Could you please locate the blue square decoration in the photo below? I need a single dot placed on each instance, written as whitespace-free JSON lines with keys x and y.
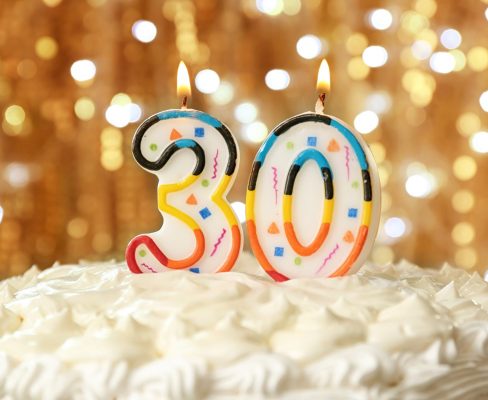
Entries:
{"x":279,"y":251}
{"x":199,"y":132}
{"x":312,"y":141}
{"x":195,"y":270}
{"x":352,"y":213}
{"x":205,"y":213}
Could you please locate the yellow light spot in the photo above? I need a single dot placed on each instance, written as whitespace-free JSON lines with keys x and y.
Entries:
{"x":111,"y":138}
{"x":121,"y":99}
{"x":357,"y":69}
{"x":463,"y":233}
{"x":77,"y":228}
{"x":459,"y":59}
{"x":426,"y":7}
{"x":51,"y":3}
{"x":46,"y":47}
{"x":421,"y":97}
{"x":383,"y":255}
{"x":463,"y":201}
{"x":15,"y":115}
{"x":478,"y":58}
{"x":84,"y":108}
{"x":468,"y":123}
{"x":102,"y":242}
{"x":379,"y":152}
{"x":429,"y":36}
{"x":414,"y":22}
{"x":466,"y":258}
{"x":112,"y":159}
{"x":356,"y":43}
{"x":464,"y":168}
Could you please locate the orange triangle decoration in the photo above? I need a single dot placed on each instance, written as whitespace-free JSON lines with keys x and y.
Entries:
{"x":273,"y":229}
{"x":191,"y":199}
{"x":348,"y":237}
{"x":175,"y":135}
{"x":333,"y":146}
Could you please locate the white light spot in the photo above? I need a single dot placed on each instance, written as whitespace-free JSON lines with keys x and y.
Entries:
{"x":486,"y":13}
{"x":451,"y":39}
{"x":375,"y":56}
{"x":309,"y":46}
{"x":380,"y":19}
{"x":270,"y":7}
{"x":240,"y":209}
{"x":1,"y":214}
{"x":277,"y":79}
{"x":379,"y":102}
{"x":256,"y":132}
{"x":246,"y":113}
{"x":366,"y":121}
{"x":421,"y":184}
{"x":421,"y":49}
{"x":484,"y":101}
{"x":17,"y":175}
{"x":144,"y":31}
{"x":83,"y":70}
{"x":479,"y":142}
{"x":135,"y":112}
{"x":442,"y":62}
{"x":224,"y":94}
{"x":207,"y":81}
{"x":395,"y":227}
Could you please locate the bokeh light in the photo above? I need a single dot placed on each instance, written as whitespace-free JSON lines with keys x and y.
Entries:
{"x":224,"y":94}
{"x":207,"y":81}
{"x":83,"y":70}
{"x":484,"y":101}
{"x":309,"y":47}
{"x":380,"y":19}
{"x":246,"y":112}
{"x":144,"y":31}
{"x":442,"y":62}
{"x":395,"y":227}
{"x":479,"y":142}
{"x":366,"y":121}
{"x":375,"y":56}
{"x":277,"y":79}
{"x":451,"y":38}
{"x":255,"y":132}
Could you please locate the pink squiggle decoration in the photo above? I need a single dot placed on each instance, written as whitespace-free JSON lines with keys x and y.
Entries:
{"x":347,"y":160}
{"x":217,"y":244}
{"x":148,"y":267}
{"x":275,"y":183}
{"x":328,"y":258}
{"x":215,"y":164}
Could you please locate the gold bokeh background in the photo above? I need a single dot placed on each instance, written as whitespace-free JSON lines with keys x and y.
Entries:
{"x":70,"y":190}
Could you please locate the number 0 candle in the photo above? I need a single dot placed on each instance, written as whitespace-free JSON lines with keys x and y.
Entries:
{"x":195,"y":158}
{"x":313,"y":199}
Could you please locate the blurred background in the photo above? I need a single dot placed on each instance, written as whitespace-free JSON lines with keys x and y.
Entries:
{"x":77,"y":77}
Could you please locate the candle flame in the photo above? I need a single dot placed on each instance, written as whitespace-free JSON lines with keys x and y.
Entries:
{"x":183,"y":86}
{"x":323,"y":77}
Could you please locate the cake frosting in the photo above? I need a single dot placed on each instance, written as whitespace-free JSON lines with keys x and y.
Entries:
{"x":96,"y":331}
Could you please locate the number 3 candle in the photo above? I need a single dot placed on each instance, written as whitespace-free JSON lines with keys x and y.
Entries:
{"x":313,"y":197}
{"x":195,"y":158}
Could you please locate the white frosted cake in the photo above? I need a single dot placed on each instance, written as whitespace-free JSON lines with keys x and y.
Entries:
{"x":97,"y":331}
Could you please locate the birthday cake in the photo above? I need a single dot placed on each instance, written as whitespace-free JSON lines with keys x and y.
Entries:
{"x":97,"y":331}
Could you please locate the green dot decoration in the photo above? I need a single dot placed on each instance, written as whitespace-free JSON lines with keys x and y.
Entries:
{"x":142,"y":253}
{"x":298,"y":261}
{"x":290,"y":145}
{"x":205,"y":183}
{"x":153,"y":146}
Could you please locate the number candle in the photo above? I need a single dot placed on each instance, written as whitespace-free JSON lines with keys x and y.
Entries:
{"x":195,"y":158}
{"x":312,"y":204}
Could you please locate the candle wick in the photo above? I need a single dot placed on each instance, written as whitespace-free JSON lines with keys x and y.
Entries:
{"x":320,"y":105}
{"x":184,"y":102}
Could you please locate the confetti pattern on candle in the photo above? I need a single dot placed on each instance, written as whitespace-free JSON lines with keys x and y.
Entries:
{"x":197,"y":217}
{"x":327,"y":213}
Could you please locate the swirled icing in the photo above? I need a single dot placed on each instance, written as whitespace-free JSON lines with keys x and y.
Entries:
{"x":96,"y":331}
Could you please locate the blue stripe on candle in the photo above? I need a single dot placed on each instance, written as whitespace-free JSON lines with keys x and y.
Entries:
{"x":353,"y":141}
{"x":201,"y":116}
